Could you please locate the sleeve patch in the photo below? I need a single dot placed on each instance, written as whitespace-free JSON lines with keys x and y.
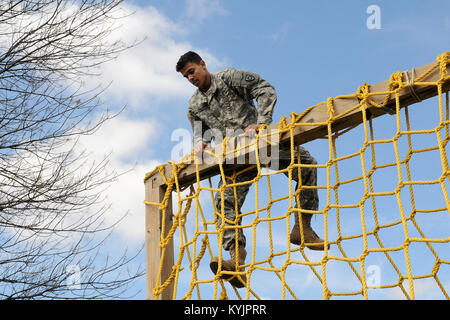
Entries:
{"x":249,"y":78}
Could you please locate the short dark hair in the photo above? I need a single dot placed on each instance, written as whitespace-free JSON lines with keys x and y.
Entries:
{"x":189,"y":56}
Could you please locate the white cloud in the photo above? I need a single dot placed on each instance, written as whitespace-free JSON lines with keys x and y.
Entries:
{"x":148,"y":68}
{"x":200,"y":10}
{"x":120,"y":136}
{"x":281,"y":33}
{"x":127,"y":195}
{"x":424,"y":289}
{"x":145,"y":74}
{"x":123,"y":139}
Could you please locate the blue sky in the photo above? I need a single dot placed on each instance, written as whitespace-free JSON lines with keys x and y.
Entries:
{"x":309,"y":50}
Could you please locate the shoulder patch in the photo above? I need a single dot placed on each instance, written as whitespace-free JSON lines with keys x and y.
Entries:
{"x":249,"y":78}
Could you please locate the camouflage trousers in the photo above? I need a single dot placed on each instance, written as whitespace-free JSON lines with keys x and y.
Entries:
{"x":309,"y":198}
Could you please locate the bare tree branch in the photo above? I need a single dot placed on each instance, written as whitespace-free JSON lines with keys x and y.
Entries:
{"x":52,"y":204}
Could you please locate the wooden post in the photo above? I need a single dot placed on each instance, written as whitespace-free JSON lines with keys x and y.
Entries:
{"x":154,"y":218}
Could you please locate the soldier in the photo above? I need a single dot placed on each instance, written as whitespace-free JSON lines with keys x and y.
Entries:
{"x":224,"y":103}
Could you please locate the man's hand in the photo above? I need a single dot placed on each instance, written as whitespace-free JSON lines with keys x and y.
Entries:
{"x":198,"y":150}
{"x":252,"y":129}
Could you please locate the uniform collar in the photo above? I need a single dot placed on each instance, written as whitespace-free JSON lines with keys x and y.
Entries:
{"x":212,"y":89}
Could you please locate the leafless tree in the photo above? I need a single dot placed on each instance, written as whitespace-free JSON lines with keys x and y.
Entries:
{"x":51,"y":193}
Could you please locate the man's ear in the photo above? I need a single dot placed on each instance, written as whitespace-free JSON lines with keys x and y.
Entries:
{"x":203,"y":64}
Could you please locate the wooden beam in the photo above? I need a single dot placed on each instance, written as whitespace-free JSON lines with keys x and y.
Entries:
{"x":318,"y":115}
{"x":154,"y":221}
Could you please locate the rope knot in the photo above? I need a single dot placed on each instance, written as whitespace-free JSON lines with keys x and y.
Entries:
{"x":330,"y":108}
{"x":396,"y":80}
{"x":443,"y":61}
{"x":363,"y":92}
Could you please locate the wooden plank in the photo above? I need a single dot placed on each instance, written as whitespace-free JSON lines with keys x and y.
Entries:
{"x":318,"y":115}
{"x":154,"y":218}
{"x":305,"y":134}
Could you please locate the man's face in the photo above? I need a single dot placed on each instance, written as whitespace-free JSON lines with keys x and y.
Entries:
{"x":197,"y":74}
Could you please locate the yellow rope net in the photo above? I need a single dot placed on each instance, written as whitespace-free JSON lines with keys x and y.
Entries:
{"x":384,"y":210}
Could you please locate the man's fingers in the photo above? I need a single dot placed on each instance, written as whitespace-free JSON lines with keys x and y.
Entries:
{"x":200,"y":148}
{"x":250,"y":132}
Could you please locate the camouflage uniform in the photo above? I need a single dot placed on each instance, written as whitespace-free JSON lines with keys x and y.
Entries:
{"x":228,"y":107}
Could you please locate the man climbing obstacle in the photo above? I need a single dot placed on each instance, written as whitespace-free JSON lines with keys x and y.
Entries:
{"x":224,"y":102}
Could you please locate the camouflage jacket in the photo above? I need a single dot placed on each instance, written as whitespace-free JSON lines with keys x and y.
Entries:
{"x":228,"y":105}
